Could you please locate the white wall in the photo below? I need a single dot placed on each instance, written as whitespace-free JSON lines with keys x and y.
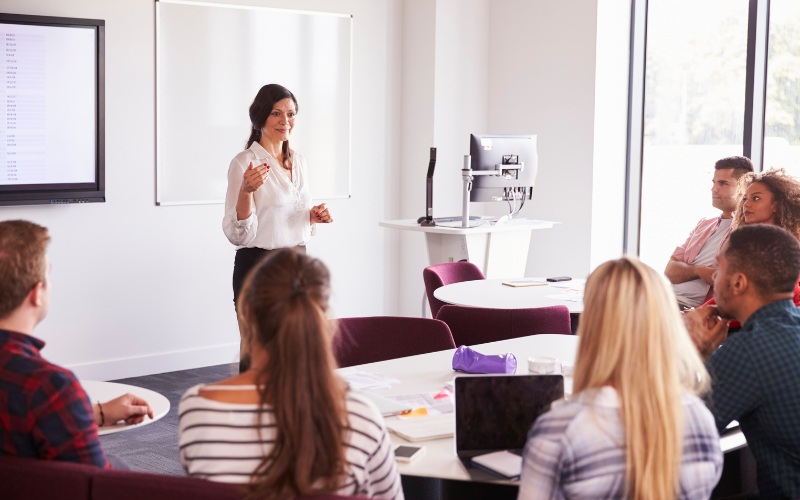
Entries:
{"x":542,"y":81}
{"x":141,"y":289}
{"x":519,"y":67}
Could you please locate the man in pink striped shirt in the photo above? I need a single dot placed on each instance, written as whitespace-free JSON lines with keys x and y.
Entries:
{"x":692,"y":265}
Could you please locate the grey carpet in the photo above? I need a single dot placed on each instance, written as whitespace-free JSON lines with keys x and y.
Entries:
{"x":154,"y":447}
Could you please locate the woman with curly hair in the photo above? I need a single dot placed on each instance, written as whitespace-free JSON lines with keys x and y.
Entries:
{"x":770,"y":197}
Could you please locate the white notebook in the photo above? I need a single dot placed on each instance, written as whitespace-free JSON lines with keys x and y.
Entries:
{"x":528,"y":282}
{"x":503,"y":463}
{"x":423,"y":428}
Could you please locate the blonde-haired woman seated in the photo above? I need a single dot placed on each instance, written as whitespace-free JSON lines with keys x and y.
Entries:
{"x":634,"y":426}
{"x":288,"y":426}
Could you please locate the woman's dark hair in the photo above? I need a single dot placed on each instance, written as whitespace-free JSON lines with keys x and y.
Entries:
{"x":262,"y":106}
{"x":283,"y":304}
{"x":785,"y":191}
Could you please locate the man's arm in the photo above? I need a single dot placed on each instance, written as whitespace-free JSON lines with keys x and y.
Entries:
{"x":681,"y":272}
{"x":736,"y":390}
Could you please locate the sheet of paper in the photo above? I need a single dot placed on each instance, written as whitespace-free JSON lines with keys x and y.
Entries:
{"x":427,"y":400}
{"x":566,"y":296}
{"x":361,"y":380}
{"x":569,"y":285}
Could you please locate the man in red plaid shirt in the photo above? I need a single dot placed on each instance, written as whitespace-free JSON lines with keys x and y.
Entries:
{"x":44,"y":411}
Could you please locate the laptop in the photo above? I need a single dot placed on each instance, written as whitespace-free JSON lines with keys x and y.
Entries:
{"x":495,"y":413}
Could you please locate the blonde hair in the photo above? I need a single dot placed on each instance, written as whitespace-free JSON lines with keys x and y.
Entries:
{"x":633,"y":338}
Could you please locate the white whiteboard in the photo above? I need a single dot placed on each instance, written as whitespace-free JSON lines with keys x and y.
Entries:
{"x":211,"y":59}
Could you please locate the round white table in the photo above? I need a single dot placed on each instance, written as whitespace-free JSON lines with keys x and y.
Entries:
{"x":106,"y":391}
{"x":493,"y":294}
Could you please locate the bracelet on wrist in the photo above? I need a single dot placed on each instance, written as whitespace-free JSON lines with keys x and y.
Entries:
{"x":102,"y":415}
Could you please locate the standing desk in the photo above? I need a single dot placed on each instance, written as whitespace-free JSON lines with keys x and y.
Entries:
{"x":499,"y":251}
{"x":430,"y":372}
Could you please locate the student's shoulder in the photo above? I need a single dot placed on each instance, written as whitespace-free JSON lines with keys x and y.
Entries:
{"x":362,"y":412}
{"x":560,"y":418}
{"x":697,"y":412}
{"x":192,"y":398}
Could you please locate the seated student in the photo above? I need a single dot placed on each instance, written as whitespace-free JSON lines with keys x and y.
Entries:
{"x":633,"y":427}
{"x":44,"y":412}
{"x":771,"y":197}
{"x":755,"y":375}
{"x":288,"y":426}
{"x":692,"y":264}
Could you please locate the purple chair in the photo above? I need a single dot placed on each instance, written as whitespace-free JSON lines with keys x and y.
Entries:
{"x":445,"y":274}
{"x":368,"y":340}
{"x":32,"y":479}
{"x":476,"y":325}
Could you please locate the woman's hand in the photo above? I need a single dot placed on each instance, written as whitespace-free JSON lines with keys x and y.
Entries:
{"x":321,"y":214}
{"x":129,"y":408}
{"x":254,"y":178}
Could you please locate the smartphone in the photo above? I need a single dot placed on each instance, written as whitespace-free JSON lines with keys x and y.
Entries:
{"x":408,"y":454}
{"x":560,"y":278}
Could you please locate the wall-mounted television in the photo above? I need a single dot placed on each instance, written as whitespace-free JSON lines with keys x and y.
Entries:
{"x":51,"y":110}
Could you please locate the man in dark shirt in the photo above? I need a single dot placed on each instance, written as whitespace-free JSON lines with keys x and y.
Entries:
{"x":755,"y":374}
{"x":44,"y":411}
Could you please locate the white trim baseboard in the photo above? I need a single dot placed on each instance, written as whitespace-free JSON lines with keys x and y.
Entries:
{"x":150,"y":364}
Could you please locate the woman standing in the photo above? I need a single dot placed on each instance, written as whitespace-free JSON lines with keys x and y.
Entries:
{"x":268,"y":205}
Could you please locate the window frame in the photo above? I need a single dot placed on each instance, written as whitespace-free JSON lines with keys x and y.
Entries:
{"x":754,"y":109}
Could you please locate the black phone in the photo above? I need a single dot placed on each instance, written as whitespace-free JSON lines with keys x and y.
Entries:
{"x":560,"y":278}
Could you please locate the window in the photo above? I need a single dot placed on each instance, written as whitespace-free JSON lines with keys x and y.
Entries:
{"x":694,"y":109}
{"x":782,"y":115}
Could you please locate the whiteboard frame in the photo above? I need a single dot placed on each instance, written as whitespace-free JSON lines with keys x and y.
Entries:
{"x":160,"y":203}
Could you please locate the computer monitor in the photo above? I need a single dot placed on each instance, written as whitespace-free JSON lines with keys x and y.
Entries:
{"x":489,"y":150}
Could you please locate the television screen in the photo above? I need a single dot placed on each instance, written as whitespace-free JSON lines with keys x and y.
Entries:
{"x":51,"y":92}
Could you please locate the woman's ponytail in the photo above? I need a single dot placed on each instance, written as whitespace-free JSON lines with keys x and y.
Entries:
{"x":255,"y":136}
{"x":286,"y":298}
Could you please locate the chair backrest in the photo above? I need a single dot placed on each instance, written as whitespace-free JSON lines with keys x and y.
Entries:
{"x":378,"y":338}
{"x":476,"y":325}
{"x":446,"y":274}
{"x":33,"y":479}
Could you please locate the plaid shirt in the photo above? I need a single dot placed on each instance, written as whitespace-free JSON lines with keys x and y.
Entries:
{"x":44,"y":412}
{"x":756,"y":380}
{"x":577,"y":451}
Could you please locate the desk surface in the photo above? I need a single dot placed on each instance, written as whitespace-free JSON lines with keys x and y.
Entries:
{"x":430,"y":372}
{"x":106,"y":391}
{"x":513,"y":225}
{"x":493,"y":294}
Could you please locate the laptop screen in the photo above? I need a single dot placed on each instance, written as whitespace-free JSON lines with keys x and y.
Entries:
{"x":495,"y":413}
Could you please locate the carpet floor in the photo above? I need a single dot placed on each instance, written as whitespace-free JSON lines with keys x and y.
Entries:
{"x":154,"y":447}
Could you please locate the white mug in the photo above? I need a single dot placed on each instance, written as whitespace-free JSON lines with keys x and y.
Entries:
{"x":542,"y":366}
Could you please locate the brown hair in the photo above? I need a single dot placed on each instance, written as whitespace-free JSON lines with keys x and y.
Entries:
{"x":259,"y":111}
{"x":283,"y":304}
{"x":23,"y":247}
{"x":785,"y":190}
{"x":740,"y":164}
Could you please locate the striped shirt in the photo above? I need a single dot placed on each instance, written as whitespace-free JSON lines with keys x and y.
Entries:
{"x":577,"y":451}
{"x":221,"y":442}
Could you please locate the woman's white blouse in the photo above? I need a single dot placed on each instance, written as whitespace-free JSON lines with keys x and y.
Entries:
{"x":282,"y":206}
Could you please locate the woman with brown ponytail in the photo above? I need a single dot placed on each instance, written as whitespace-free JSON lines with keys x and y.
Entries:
{"x":268,"y":205}
{"x":288,"y":426}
